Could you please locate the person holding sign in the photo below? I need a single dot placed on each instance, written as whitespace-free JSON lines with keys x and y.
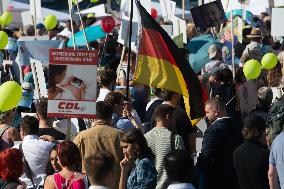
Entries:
{"x":72,"y":89}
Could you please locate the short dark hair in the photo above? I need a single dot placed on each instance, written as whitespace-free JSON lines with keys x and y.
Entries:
{"x":163,"y":110}
{"x":179,"y":166}
{"x":168,"y":95}
{"x":55,"y":70}
{"x":114,"y":98}
{"x":98,"y":166}
{"x":254,"y":126}
{"x":107,"y":77}
{"x":69,"y":155}
{"x":30,"y":125}
{"x":217,"y":103}
{"x":41,"y":108}
{"x":103,"y":111}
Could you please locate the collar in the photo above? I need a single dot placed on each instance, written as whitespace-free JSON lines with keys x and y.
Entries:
{"x":31,"y":137}
{"x":101,"y":123}
{"x":220,"y":118}
{"x":180,"y":186}
{"x":98,"y":187}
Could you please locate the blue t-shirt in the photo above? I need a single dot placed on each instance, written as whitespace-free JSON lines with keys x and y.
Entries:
{"x":276,"y":157}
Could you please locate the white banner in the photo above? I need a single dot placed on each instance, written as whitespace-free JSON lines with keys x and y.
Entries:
{"x":277,"y":28}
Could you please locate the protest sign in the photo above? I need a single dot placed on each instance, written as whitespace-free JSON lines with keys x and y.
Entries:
{"x":208,"y":15}
{"x":179,"y":27}
{"x":168,"y":28}
{"x":277,"y":29}
{"x":39,"y":79}
{"x":166,"y":9}
{"x":173,"y":9}
{"x":125,"y":8}
{"x":123,"y":36}
{"x":278,"y":3}
{"x":36,"y":49}
{"x":35,"y":8}
{"x":72,"y":83}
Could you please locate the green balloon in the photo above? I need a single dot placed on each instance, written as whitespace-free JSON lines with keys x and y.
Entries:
{"x":252,"y":69}
{"x":10,"y":93}
{"x":3,"y":40}
{"x":7,"y":18}
{"x":1,"y":21}
{"x":269,"y":61}
{"x":50,"y":22}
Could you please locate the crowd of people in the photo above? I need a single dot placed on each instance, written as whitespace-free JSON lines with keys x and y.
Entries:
{"x":146,"y":140}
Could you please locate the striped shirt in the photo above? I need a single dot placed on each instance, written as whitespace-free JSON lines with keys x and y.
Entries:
{"x":159,"y":140}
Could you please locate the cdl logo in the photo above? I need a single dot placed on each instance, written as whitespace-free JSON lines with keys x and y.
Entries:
{"x":70,"y":106}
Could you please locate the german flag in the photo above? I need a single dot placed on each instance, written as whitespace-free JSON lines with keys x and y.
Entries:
{"x":160,"y":64}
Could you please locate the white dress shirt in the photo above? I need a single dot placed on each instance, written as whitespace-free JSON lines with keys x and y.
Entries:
{"x":181,"y":186}
{"x":37,"y":152}
{"x":99,"y":187}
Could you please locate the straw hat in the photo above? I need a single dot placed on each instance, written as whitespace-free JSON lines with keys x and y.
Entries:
{"x":255,"y":33}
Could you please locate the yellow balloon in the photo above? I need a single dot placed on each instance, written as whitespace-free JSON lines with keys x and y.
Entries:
{"x":1,"y":21}
{"x":11,"y":93}
{"x":94,"y":1}
{"x":7,"y":18}
{"x":3,"y":40}
{"x":252,"y":69}
{"x":50,"y":22}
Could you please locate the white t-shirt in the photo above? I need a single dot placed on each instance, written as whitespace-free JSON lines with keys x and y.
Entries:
{"x":103,"y":93}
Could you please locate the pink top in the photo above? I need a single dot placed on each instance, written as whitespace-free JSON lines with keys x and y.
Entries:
{"x":72,"y":183}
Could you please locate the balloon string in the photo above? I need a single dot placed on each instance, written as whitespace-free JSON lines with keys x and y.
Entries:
{"x":71,"y":20}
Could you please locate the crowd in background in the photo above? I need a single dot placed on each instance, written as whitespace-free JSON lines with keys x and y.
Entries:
{"x":147,"y":140}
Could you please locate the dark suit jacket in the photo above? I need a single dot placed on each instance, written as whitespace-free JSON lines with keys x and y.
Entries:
{"x":216,"y":158}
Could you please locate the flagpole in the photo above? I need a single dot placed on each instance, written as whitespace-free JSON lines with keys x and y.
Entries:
{"x":83,"y":28}
{"x":129,"y":48}
{"x":72,"y":27}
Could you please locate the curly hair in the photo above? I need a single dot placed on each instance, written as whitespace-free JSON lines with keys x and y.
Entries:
{"x":41,"y":108}
{"x":11,"y":164}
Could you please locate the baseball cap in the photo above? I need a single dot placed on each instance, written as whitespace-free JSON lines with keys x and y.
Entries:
{"x":40,"y":26}
{"x":27,"y":86}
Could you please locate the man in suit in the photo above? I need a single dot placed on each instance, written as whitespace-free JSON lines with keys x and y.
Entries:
{"x":219,"y":142}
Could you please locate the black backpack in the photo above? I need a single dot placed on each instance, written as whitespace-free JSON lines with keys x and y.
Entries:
{"x":275,"y":118}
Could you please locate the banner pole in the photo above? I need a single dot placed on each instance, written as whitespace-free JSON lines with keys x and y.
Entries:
{"x":72,"y":27}
{"x":129,"y":48}
{"x":183,"y":9}
{"x":83,"y":28}
{"x":232,"y":41}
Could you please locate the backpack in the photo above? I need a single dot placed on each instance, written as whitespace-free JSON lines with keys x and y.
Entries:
{"x":2,"y":131}
{"x":275,"y":118}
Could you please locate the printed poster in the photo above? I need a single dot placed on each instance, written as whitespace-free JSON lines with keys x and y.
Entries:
{"x":72,"y":83}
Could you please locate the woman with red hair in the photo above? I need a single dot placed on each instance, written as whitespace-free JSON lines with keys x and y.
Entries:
{"x":11,"y":168}
{"x":69,"y":159}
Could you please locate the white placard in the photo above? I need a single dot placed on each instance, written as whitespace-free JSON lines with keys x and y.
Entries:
{"x":277,"y":28}
{"x":27,"y":18}
{"x":166,"y":9}
{"x":179,"y":26}
{"x":125,"y":8}
{"x":168,"y":29}
{"x":35,"y":8}
{"x":39,"y":79}
{"x":278,"y":3}
{"x":124,"y":34}
{"x":173,"y":9}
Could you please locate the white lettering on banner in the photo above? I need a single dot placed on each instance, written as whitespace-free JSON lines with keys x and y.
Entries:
{"x":72,"y":107}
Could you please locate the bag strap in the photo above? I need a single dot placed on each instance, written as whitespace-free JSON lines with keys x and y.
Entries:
{"x":2,"y":131}
{"x":74,"y":179}
{"x":28,"y":170}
